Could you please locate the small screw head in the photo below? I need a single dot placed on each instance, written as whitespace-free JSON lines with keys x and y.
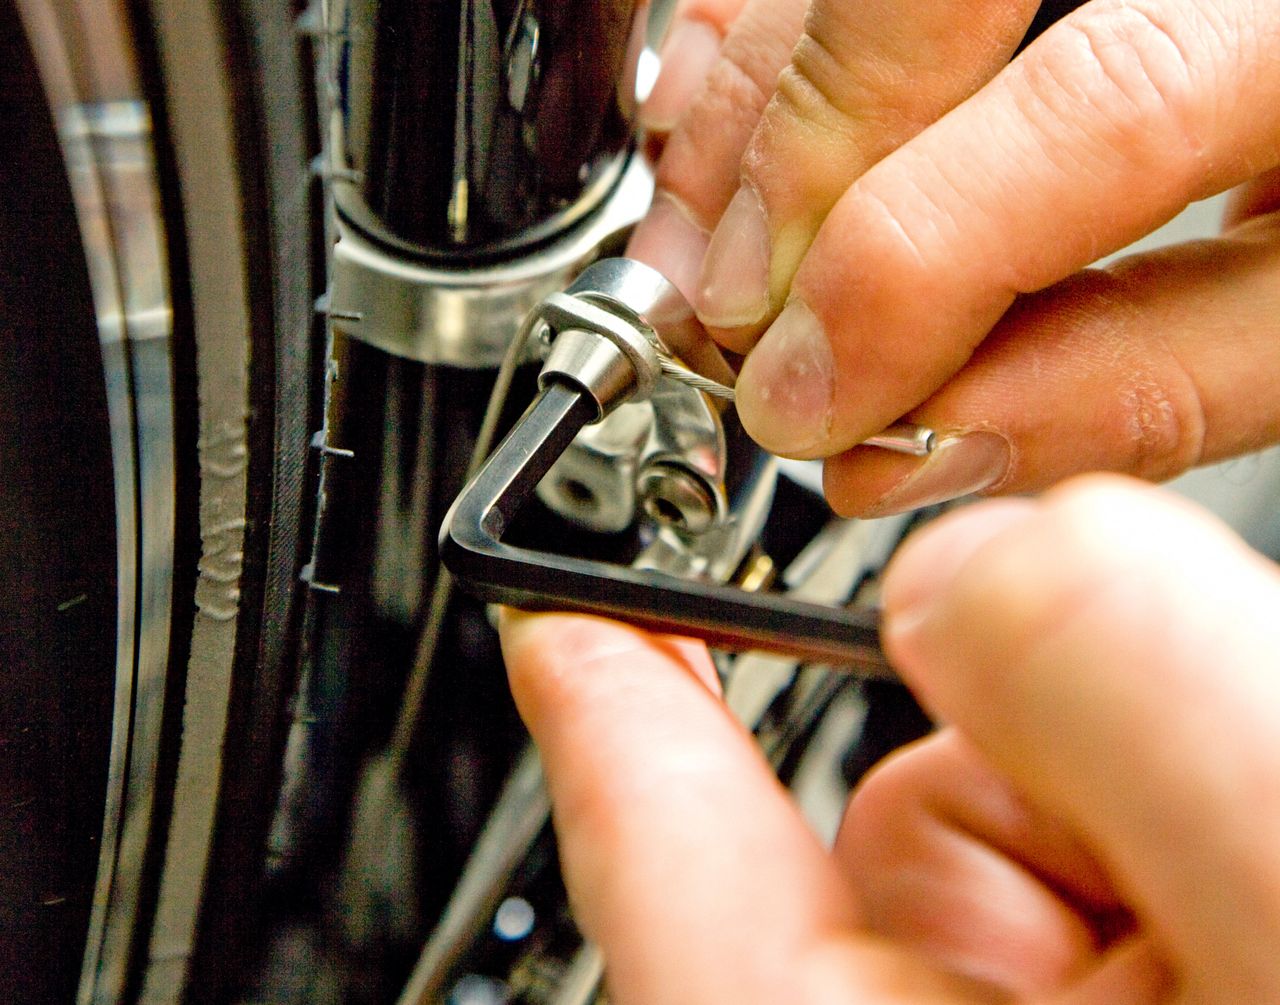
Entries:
{"x":677,"y":497}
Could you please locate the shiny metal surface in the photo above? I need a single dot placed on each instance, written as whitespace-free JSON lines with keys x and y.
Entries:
{"x":466,"y":315}
{"x":675,"y":496}
{"x":661,"y":448}
{"x":904,"y":438}
{"x":688,"y":432}
{"x":715,"y":554}
{"x":89,"y":191}
{"x":593,"y":484}
{"x":472,"y":548}
{"x":85,"y":54}
{"x":595,"y":363}
{"x":684,"y":375}
{"x":642,"y":295}
{"x":478,"y":127}
{"x":119,"y":135}
{"x":563,"y":312}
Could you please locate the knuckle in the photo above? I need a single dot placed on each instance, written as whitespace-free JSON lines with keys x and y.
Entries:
{"x":1164,"y":422}
{"x":752,"y":56}
{"x":700,"y":163}
{"x":732,"y":95}
{"x":849,"y":95}
{"x":1108,"y":335}
{"x":1161,"y":425}
{"x":720,"y":13}
{"x":1141,"y":68}
{"x":733,"y":91}
{"x":819,"y":86}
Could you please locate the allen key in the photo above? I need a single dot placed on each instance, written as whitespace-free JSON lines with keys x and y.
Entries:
{"x":612,"y":328}
{"x":472,"y":548}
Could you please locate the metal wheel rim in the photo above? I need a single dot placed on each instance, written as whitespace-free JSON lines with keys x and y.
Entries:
{"x":87,"y":54}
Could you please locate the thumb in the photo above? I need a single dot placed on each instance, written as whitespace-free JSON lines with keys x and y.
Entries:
{"x":1116,"y":654}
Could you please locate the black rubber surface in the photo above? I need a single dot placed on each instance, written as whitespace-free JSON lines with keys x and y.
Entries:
{"x":269,"y":75}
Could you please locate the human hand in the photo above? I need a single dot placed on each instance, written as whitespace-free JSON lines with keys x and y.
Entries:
{"x":1097,"y":824}
{"x":922,"y":208}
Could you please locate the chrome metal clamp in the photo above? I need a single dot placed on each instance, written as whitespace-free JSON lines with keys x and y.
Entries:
{"x":467,"y":316}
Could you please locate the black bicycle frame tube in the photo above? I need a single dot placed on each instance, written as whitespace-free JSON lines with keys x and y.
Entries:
{"x":478,"y":128}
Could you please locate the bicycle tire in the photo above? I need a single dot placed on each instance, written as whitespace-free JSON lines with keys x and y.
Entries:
{"x":183,"y":129}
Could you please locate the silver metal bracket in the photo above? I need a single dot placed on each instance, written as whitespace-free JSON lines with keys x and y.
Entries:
{"x":618,"y":330}
{"x":567,"y":315}
{"x":467,"y":316}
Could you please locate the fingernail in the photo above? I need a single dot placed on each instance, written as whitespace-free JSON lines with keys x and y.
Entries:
{"x":784,"y":393}
{"x":735,"y":277}
{"x":668,"y":240}
{"x":689,"y":53}
{"x":959,"y":466}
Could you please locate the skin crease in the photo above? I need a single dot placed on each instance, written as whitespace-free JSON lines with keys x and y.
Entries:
{"x":1087,"y":828}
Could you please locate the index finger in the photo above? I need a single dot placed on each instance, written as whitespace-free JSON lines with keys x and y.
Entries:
{"x":712,"y":119}
{"x":684,"y":858}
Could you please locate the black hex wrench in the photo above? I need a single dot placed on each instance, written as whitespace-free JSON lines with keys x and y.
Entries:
{"x":472,"y":549}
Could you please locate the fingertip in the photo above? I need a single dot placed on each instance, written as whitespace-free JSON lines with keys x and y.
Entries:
{"x":929,"y":562}
{"x":989,"y":585}
{"x":785,"y":393}
{"x":959,"y":465}
{"x":855,"y":479}
{"x":531,"y":651}
{"x":562,"y":665}
{"x":690,"y":51}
